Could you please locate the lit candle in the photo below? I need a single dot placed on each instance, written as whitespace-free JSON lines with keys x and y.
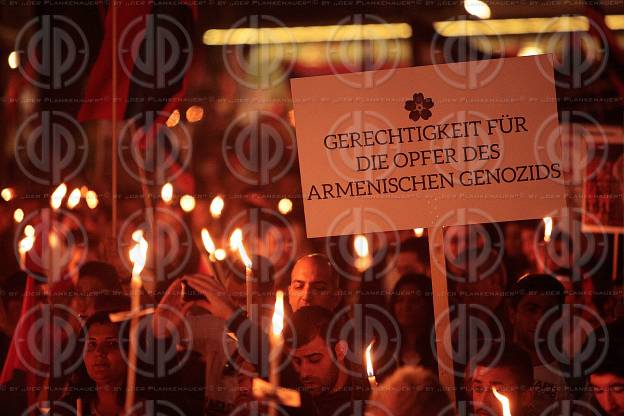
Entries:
{"x":73,"y":199}
{"x":187,"y":203}
{"x":236,"y":238}
{"x":548,"y":227}
{"x":7,"y":194}
{"x":369,"y":365}
{"x":166,"y":193}
{"x":210,"y":247}
{"x":419,"y":232}
{"x":363,"y":260}
{"x":504,"y":402}
{"x":138,"y":256}
{"x":24,"y":247}
{"x":277,"y":342}
{"x":248,"y":277}
{"x":91,"y":199}
{"x":284,"y":206}
{"x":18,"y":215}
{"x":56,"y":199}
{"x":216,"y":207}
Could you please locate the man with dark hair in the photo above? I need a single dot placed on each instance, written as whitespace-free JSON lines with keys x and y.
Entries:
{"x":509,"y":372}
{"x":318,"y":355}
{"x":607,"y":380}
{"x":535,"y":306}
{"x":97,"y":287}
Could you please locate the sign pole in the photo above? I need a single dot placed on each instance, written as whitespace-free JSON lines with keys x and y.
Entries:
{"x":441,"y":310}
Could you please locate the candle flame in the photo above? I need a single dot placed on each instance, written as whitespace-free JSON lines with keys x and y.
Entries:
{"x":216,"y":206}
{"x":26,"y":244}
{"x":277,"y":322}
{"x":418,"y":232}
{"x":166,"y":193}
{"x":138,"y":253}
{"x":29,"y":231}
{"x":244,"y":257}
{"x":73,"y":199}
{"x":56,"y":199}
{"x":187,"y":203}
{"x":284,"y":206}
{"x":92,"y":199}
{"x":504,"y":402}
{"x":220,"y":254}
{"x":548,"y":227}
{"x":360,"y":244}
{"x":209,"y":245}
{"x":369,"y":360}
{"x":18,"y":215}
{"x":236,"y":238}
{"x":7,"y":194}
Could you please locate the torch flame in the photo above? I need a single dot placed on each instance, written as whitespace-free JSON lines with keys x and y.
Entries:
{"x":369,"y":361}
{"x":166,"y":192}
{"x":360,"y":244}
{"x":277,"y":322}
{"x":548,"y":227}
{"x":504,"y":402}
{"x":138,"y":253}
{"x":236,"y":238}
{"x":209,"y":245}
{"x":56,"y":199}
{"x":216,"y":206}
{"x":73,"y":199}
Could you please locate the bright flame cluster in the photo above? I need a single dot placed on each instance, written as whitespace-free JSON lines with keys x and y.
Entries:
{"x":138,"y":253}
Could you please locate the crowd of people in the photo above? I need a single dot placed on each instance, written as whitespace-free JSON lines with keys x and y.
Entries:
{"x":541,"y":337}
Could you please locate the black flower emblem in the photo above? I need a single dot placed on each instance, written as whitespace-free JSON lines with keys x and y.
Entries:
{"x":419,"y":107}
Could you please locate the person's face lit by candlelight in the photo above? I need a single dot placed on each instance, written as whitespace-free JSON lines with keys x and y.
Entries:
{"x":503,"y":379}
{"x":609,"y":392}
{"x":103,"y":357}
{"x":313,"y":283}
{"x":316,"y":369}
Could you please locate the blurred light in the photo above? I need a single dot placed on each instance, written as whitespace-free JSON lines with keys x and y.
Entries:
{"x":220,"y":254}
{"x":25,"y":244}
{"x":548,"y":227}
{"x":138,"y":254}
{"x":477,"y":8}
{"x":209,"y":245}
{"x":305,"y":34}
{"x":187,"y":203}
{"x":194,"y":113}
{"x":236,"y":239}
{"x":497,"y":27}
{"x":166,"y":193}
{"x":92,"y":199}
{"x":56,"y":199}
{"x":284,"y":206}
{"x":216,"y":206}
{"x":83,"y":191}
{"x":29,"y":231}
{"x":418,"y":232}
{"x":174,"y":119}
{"x":277,"y":321}
{"x":13,"y":60}
{"x":360,"y":244}
{"x":244,"y":256}
{"x":291,"y":117}
{"x":18,"y":215}
{"x":7,"y":194}
{"x":73,"y":199}
{"x":530,"y":50}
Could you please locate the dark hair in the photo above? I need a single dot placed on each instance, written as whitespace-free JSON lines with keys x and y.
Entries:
{"x":536,"y":284}
{"x":511,"y":357}
{"x":613,"y":361}
{"x":308,"y":323}
{"x":419,"y":246}
{"x":104,"y":273}
{"x":469,"y":262}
